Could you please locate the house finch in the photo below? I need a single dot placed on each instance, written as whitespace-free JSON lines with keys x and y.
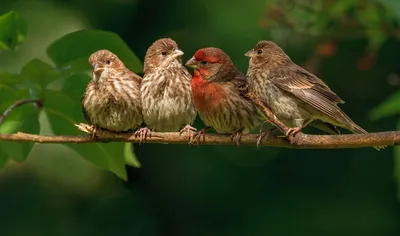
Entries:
{"x":219,"y":92}
{"x":111,"y":100}
{"x":294,"y":95}
{"x":165,"y":91}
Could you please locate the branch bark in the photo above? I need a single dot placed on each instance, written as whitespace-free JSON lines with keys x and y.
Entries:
{"x":306,"y":141}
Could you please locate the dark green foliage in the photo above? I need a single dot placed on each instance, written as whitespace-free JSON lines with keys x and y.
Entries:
{"x":208,"y":190}
{"x":13,"y":30}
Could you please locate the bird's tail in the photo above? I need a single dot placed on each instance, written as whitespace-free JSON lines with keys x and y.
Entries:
{"x":325,"y":126}
{"x":358,"y":130}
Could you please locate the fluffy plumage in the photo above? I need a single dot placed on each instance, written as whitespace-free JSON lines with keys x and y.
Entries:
{"x":219,"y":92}
{"x":111,"y":100}
{"x":294,"y":95}
{"x":165,"y":91}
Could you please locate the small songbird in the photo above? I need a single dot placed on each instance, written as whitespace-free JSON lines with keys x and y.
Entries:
{"x":165,"y":90}
{"x":219,"y":91}
{"x":112,"y":98}
{"x":293,"y":94}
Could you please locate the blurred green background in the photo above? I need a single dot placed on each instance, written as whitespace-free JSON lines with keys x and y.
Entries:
{"x":353,"y":45}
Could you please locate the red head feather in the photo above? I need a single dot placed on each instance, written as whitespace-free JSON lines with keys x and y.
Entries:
{"x":208,"y":95}
{"x":212,"y":55}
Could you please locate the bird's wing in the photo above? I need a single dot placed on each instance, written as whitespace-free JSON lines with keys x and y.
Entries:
{"x":295,"y":77}
{"x":240,"y":83}
{"x":311,"y":90}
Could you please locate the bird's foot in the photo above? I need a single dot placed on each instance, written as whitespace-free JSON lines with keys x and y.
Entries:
{"x":191,"y":131}
{"x":264,"y":134}
{"x":236,"y":137}
{"x":199,"y":135}
{"x":95,"y":130}
{"x":291,"y":133}
{"x":142,"y":134}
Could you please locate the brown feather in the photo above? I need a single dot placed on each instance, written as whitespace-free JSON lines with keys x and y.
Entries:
{"x":220,"y":92}
{"x":311,"y":90}
{"x":111,"y":100}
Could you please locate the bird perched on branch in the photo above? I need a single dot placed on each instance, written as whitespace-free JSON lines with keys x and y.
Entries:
{"x":219,"y":92}
{"x":165,"y":90}
{"x":294,"y":95}
{"x":112,"y":98}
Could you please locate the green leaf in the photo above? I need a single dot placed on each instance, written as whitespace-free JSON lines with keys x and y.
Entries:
{"x":74,"y":86}
{"x":7,"y":93}
{"x":3,"y":158}
{"x":39,"y":72}
{"x":22,"y":119}
{"x":392,"y":5}
{"x":10,"y":79}
{"x":376,"y":39}
{"x":13,"y":30}
{"x":130,"y":158}
{"x":63,"y":112}
{"x":389,"y":107}
{"x":340,"y":7}
{"x":8,"y":90}
{"x":75,"y":48}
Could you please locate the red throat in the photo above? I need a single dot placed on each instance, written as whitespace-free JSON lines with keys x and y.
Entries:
{"x":207,"y":96}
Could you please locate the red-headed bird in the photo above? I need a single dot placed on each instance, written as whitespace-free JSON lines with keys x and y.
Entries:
{"x":219,"y":93}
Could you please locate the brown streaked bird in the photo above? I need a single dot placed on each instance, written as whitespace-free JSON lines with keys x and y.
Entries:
{"x":294,"y":95}
{"x":219,"y":91}
{"x":165,"y":91}
{"x":112,"y":98}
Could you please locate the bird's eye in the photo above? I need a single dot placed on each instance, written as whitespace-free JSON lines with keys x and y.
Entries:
{"x":204,"y":62}
{"x":164,"y":53}
{"x":108,"y":62}
{"x":259,"y":51}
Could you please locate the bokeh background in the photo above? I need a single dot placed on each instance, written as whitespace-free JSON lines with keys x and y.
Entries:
{"x":353,"y":45}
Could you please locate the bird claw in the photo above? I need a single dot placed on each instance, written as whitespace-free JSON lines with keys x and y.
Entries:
{"x":261,"y":136}
{"x":198,"y":135}
{"x":191,"y":131}
{"x":236,"y":137}
{"x":142,"y":134}
{"x":291,"y":133}
{"x":264,"y":134}
{"x":95,"y":130}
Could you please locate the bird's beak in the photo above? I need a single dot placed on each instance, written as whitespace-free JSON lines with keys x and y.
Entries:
{"x":192,"y":63}
{"x":97,"y":69}
{"x":249,"y":53}
{"x":177,"y":53}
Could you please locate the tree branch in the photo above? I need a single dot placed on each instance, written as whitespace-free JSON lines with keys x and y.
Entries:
{"x":307,"y":141}
{"x":270,"y":116}
{"x":37,"y":102}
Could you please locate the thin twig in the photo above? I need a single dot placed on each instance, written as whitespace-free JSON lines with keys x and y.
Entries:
{"x":391,"y":138}
{"x":19,"y":103}
{"x":270,"y":116}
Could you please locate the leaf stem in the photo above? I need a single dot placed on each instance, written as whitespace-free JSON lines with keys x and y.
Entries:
{"x":37,"y":102}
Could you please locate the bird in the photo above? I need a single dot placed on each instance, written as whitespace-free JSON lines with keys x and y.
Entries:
{"x":220,"y":95}
{"x":165,"y":90}
{"x":295,"y":96}
{"x":111,"y":100}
